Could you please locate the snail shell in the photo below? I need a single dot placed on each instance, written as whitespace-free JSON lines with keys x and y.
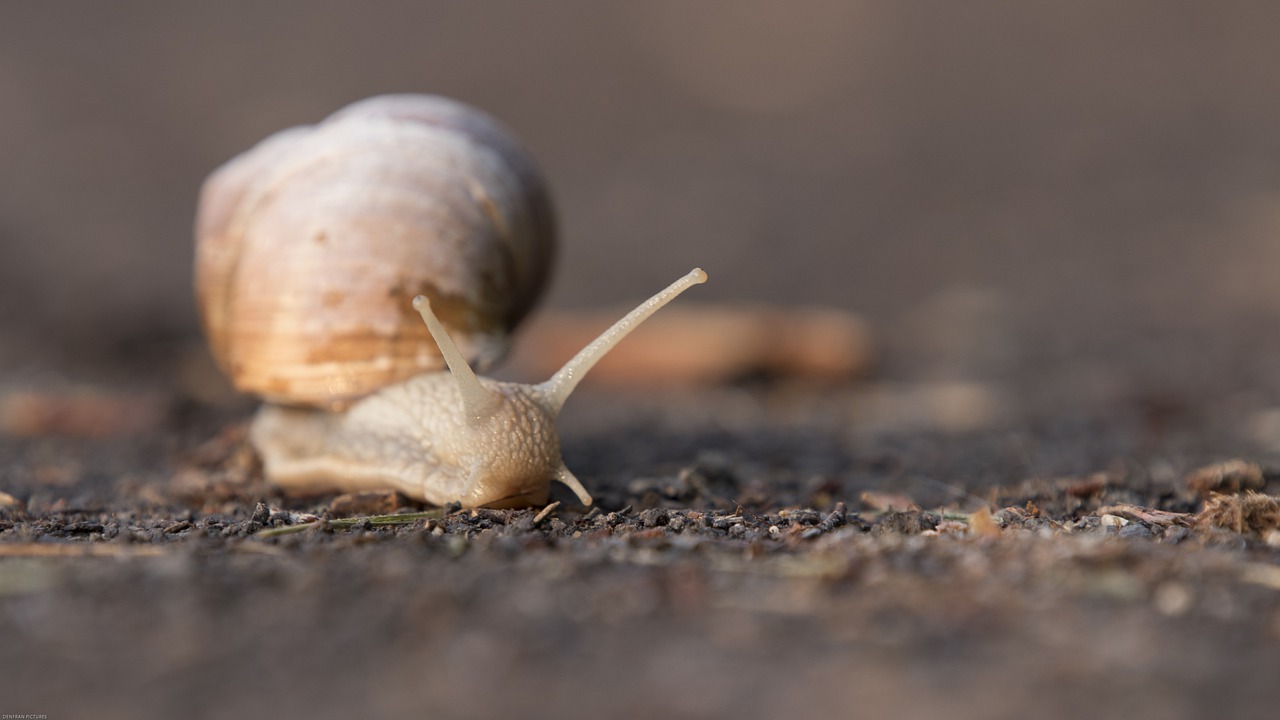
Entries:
{"x":311,"y":246}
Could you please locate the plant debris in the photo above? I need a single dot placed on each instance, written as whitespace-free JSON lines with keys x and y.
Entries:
{"x":1230,"y":477}
{"x":1251,"y":513}
{"x":92,"y":413}
{"x":378,"y":502}
{"x":718,"y":343}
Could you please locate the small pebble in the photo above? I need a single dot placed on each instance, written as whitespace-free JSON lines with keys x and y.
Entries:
{"x":726,"y":522}
{"x":654,"y":517}
{"x":1176,"y":534}
{"x":1112,"y":521}
{"x":804,"y":517}
{"x":1135,"y":530}
{"x":83,"y":527}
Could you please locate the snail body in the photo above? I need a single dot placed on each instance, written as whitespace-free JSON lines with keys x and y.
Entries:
{"x":400,"y":438}
{"x":442,"y":436}
{"x":314,"y":249}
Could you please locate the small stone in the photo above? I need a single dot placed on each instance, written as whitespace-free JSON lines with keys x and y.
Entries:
{"x":725,"y":522}
{"x":803,"y":517}
{"x":1005,"y":517}
{"x":80,"y":528}
{"x":904,"y":523}
{"x":654,"y":517}
{"x":1036,"y":524}
{"x":1086,"y":523}
{"x":1135,"y":530}
{"x":1112,"y":521}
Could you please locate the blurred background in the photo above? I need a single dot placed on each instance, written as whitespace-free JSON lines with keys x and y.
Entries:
{"x":1057,"y":219}
{"x":1081,"y":195}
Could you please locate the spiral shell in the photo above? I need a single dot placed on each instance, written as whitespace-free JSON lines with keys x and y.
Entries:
{"x":311,"y":245}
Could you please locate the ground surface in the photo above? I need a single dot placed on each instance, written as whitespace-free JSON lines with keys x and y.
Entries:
{"x":735,"y":563}
{"x":1058,"y":220}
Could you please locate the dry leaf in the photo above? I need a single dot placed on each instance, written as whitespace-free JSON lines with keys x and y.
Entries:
{"x":983,"y":525}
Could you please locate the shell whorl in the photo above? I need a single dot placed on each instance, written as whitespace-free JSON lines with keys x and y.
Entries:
{"x":311,"y":246}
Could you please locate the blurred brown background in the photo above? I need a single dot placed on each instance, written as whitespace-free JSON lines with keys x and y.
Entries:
{"x":1053,"y":183}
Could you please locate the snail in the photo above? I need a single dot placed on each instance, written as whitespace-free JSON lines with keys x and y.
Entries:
{"x":352,"y":273}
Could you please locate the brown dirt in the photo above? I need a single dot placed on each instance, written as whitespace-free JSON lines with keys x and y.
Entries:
{"x":736,"y":569}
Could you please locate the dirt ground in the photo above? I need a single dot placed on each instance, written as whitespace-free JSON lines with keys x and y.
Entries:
{"x":744,"y":566}
{"x":1051,"y":493}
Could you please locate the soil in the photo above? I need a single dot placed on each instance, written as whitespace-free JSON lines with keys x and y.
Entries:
{"x":752,"y":568}
{"x":1052,"y":494}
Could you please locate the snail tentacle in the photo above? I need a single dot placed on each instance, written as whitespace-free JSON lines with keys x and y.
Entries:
{"x":565,"y":477}
{"x":478,"y":401}
{"x":556,"y":390}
